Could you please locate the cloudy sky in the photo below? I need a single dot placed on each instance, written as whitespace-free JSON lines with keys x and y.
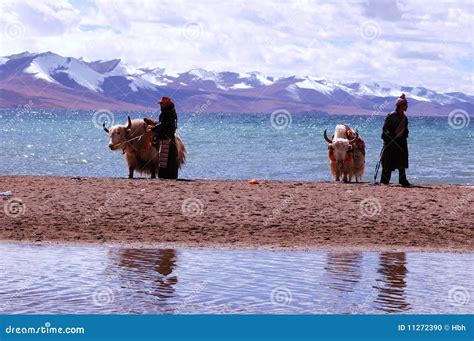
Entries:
{"x":418,"y":43}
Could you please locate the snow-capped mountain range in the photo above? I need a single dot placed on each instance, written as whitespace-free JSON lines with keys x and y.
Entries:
{"x":48,"y":80}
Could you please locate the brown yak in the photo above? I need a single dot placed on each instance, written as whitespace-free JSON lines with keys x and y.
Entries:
{"x":346,"y":152}
{"x":135,"y":142}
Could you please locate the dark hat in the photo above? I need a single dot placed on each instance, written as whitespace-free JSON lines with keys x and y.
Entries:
{"x":167,"y":102}
{"x":401,"y":100}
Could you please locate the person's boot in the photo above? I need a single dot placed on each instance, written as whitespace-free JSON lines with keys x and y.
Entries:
{"x":402,"y":178}
{"x":385,"y":179}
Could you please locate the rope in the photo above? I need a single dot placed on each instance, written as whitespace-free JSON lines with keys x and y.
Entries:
{"x":137,"y":137}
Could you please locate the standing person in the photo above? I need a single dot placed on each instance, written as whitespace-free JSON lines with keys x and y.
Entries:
{"x":395,"y":135}
{"x":164,"y":132}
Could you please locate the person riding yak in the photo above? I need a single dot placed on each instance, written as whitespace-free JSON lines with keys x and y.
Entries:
{"x":395,"y":150}
{"x":163,"y":133}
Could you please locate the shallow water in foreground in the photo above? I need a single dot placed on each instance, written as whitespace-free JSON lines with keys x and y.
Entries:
{"x":99,"y":279}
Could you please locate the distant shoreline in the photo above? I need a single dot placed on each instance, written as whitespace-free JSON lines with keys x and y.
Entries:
{"x":153,"y":110}
{"x":283,"y":215}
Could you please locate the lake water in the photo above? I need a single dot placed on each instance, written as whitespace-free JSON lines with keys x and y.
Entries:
{"x":98,"y":279}
{"x":228,"y":146}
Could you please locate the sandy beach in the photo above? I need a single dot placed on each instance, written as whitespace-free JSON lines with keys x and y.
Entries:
{"x":236,"y":214}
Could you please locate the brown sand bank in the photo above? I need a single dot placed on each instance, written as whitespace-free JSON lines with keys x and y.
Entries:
{"x":272,"y":214}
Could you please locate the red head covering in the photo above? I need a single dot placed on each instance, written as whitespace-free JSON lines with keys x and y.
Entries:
{"x":166,"y":101}
{"x":401,"y":100}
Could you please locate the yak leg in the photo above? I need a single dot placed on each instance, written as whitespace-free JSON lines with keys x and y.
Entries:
{"x":153,"y":171}
{"x":338,"y":173}
{"x":130,"y":172}
{"x":344,"y":177}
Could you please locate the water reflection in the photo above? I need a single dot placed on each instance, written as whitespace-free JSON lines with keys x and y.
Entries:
{"x":391,"y":289}
{"x":344,"y":270}
{"x":64,"y":279}
{"x":147,"y":271}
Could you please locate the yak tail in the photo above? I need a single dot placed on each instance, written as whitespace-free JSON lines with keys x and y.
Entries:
{"x":181,"y":150}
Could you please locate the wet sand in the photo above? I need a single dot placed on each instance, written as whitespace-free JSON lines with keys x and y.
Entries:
{"x":236,"y":214}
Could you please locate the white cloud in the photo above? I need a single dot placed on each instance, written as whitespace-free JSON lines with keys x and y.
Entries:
{"x":409,"y":42}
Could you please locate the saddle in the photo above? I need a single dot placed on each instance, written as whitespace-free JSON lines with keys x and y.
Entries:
{"x":150,"y":123}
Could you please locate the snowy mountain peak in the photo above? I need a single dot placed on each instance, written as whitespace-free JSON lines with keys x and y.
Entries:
{"x":53,"y":68}
{"x":118,"y":80}
{"x":103,"y":66}
{"x":48,"y":54}
{"x":21,"y":55}
{"x":155,"y":71}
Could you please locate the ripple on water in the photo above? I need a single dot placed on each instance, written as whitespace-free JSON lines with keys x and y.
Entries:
{"x":97,"y":279}
{"x":68,"y":143}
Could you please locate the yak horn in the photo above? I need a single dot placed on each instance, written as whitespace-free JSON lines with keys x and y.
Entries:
{"x":129,"y":123}
{"x":356,"y":135}
{"x":105,"y":128}
{"x":326,"y":136}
